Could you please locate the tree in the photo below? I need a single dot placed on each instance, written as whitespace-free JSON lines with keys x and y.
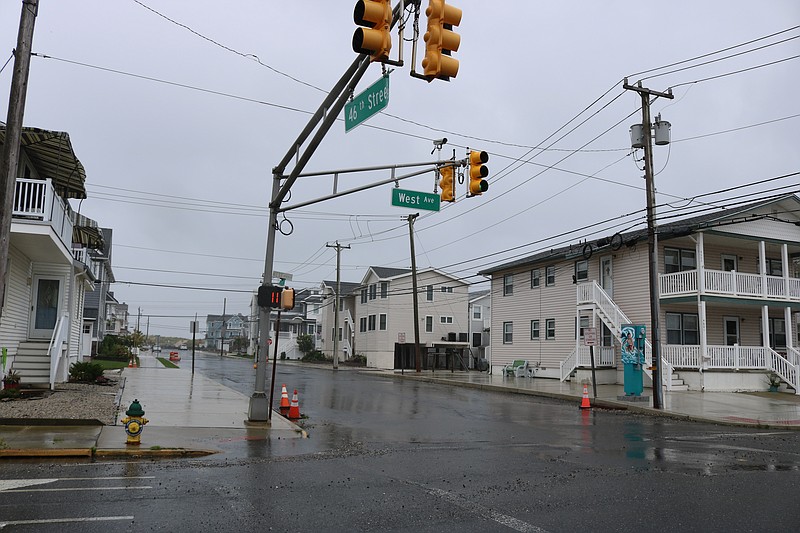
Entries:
{"x":238,"y":344}
{"x":305,"y":343}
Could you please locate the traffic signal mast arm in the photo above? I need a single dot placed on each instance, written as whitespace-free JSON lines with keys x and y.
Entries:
{"x":430,"y":166}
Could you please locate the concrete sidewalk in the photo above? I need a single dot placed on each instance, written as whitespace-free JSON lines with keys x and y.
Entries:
{"x":758,"y":409}
{"x":188,"y":414}
{"x":193,"y":415}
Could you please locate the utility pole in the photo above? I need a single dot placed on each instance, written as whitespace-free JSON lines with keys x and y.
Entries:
{"x":417,"y":355}
{"x":222,"y":329}
{"x":138,"y":320}
{"x":147,"y":335}
{"x":9,"y":162}
{"x":339,"y":249}
{"x":652,"y":235}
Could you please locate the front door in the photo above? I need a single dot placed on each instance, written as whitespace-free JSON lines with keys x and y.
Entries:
{"x":46,"y":306}
{"x":606,"y":272}
{"x":731,"y":325}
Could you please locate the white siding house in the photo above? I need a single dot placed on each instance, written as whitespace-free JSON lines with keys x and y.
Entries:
{"x":729,"y":297}
{"x":42,"y":315}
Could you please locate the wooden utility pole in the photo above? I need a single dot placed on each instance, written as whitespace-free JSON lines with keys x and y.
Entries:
{"x":339,"y":248}
{"x":222,"y":328}
{"x":652,"y":236}
{"x":417,"y":355}
{"x":11,"y":148}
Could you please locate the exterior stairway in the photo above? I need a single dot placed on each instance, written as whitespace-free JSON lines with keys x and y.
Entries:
{"x":33,"y":364}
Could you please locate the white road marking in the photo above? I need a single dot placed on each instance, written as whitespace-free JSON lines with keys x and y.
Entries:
{"x":473,"y":507}
{"x":75,"y":489}
{"x":63,"y":520}
{"x":6,"y":484}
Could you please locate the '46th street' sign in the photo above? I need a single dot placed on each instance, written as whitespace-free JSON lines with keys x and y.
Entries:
{"x":375,"y":98}
{"x":415,"y":199}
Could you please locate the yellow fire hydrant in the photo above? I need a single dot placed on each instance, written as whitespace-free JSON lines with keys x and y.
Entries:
{"x":134,"y":423}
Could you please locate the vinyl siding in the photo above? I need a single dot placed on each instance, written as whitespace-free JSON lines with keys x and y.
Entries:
{"x":16,"y":313}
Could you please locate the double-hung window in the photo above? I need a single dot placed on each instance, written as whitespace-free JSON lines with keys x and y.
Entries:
{"x":508,"y":284}
{"x":508,"y":332}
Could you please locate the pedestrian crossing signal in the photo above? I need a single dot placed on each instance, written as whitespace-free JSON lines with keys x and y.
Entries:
{"x":269,"y":296}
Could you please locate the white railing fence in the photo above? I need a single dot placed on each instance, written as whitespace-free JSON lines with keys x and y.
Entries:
{"x":568,"y":365}
{"x":37,"y":200}
{"x":729,"y":283}
{"x":56,"y":349}
{"x":785,"y":369}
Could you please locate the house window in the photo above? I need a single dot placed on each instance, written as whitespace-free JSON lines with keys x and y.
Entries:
{"x":535,"y":278}
{"x":607,"y":337}
{"x":384,"y":289}
{"x":446,"y":319}
{"x":550,"y":328}
{"x":382,"y":321}
{"x":777,"y":333}
{"x":428,"y":324}
{"x":341,"y":304}
{"x":534,"y":330}
{"x":508,"y":284}
{"x":583,"y":323}
{"x":429,"y":293}
{"x":581,"y":270}
{"x":682,"y":328}
{"x":477,"y":312}
{"x":774,"y":267}
{"x":508,"y":332}
{"x":679,"y":260}
{"x":373,"y":291}
{"x":340,"y":334}
{"x":371,"y":323}
{"x":477,"y":340}
{"x":550,"y":275}
{"x":445,"y":288}
{"x":363,"y":296}
{"x":362,"y":324}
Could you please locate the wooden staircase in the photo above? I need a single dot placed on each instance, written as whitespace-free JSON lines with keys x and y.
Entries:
{"x":33,"y":364}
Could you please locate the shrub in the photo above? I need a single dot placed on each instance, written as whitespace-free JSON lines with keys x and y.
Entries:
{"x":314,"y":356}
{"x":358,"y":359}
{"x":85,"y":372}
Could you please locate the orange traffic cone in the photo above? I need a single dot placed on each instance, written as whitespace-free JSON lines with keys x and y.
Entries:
{"x":294,"y":409}
{"x":284,"y":401}
{"x":585,"y":402}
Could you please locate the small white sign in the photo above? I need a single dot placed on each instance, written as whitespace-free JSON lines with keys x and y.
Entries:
{"x":590,"y":336}
{"x":281,"y":275}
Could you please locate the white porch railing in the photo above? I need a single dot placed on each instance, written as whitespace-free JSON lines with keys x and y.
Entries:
{"x":56,"y":347}
{"x":37,"y":200}
{"x":603,"y":356}
{"x":733,"y":284}
{"x":568,"y":365}
{"x":738,"y":358}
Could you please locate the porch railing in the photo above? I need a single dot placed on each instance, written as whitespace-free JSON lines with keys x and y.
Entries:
{"x":56,"y":347}
{"x":37,"y":200}
{"x":568,"y":365}
{"x":732,"y":283}
{"x":603,"y":356}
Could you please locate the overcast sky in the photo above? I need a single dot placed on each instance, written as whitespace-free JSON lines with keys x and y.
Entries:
{"x":183,"y":175}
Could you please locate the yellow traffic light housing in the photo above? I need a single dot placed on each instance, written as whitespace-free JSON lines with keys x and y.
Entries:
{"x":477,"y":172}
{"x":375,"y":39}
{"x":287,"y":299}
{"x":441,"y":40}
{"x":447,"y":183}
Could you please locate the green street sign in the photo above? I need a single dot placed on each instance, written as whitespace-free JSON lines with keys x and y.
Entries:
{"x":415,"y":199}
{"x":375,"y":98}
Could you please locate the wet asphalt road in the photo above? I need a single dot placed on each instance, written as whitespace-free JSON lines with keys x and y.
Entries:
{"x":386,"y":454}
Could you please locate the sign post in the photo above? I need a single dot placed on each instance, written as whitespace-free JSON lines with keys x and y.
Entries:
{"x":590,"y":340}
{"x":193,"y":327}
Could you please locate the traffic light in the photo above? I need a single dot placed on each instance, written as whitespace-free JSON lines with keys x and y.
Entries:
{"x":478,"y":171}
{"x":448,"y":184}
{"x":269,"y":296}
{"x":376,"y":38}
{"x":441,"y":40}
{"x":287,"y":299}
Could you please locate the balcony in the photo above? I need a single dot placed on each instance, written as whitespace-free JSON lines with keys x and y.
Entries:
{"x":729,"y":284}
{"x":36,"y":203}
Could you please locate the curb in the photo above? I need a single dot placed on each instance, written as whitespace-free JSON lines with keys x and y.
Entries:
{"x":162,"y":453}
{"x":50,"y":422}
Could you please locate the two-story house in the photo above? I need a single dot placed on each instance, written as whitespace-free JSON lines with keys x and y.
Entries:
{"x":729,"y":296}
{"x":345,"y":329}
{"x":48,"y":273}
{"x":383,"y":319}
{"x":221,"y":329}
{"x":95,"y":304}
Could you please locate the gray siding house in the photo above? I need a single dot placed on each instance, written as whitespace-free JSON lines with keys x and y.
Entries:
{"x":729,"y":295}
